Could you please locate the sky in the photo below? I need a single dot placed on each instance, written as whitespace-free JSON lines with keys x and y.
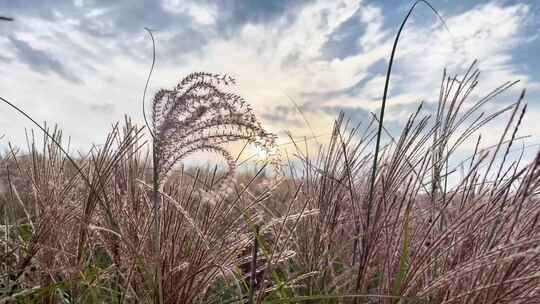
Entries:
{"x":83,"y":64}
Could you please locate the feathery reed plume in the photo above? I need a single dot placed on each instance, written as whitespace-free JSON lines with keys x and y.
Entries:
{"x":196,"y":115}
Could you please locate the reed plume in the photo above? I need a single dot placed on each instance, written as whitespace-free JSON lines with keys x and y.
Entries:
{"x":194,"y":116}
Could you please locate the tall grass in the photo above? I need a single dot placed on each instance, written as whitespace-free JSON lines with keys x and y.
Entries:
{"x":127,"y":223}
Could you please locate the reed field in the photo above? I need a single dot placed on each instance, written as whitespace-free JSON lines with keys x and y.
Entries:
{"x":370,"y":216}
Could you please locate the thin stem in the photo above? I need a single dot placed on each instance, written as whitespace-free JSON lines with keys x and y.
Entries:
{"x":365,"y":236}
{"x":158,"y":293}
{"x":253,"y":275}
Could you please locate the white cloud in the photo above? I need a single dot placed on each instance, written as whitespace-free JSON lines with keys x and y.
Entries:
{"x":487,"y":32}
{"x":372,"y":17}
{"x":204,"y":15}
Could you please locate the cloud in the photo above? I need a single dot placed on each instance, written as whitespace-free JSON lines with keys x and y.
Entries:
{"x":101,"y":109}
{"x":201,"y":14}
{"x":40,"y":61}
{"x":283,"y":115}
{"x":487,"y":32}
{"x":236,"y":14}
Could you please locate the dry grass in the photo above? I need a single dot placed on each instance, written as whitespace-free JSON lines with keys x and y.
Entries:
{"x":69,"y":238}
{"x":340,"y":225}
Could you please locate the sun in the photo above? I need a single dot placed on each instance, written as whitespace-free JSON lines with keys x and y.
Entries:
{"x":258,"y":152}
